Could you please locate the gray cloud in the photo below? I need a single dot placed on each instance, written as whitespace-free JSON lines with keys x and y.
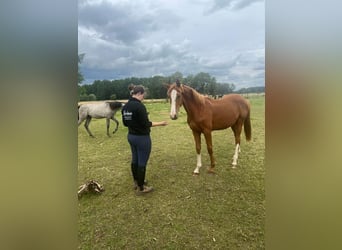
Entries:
{"x":123,"y":22}
{"x":230,"y":5}
{"x":144,"y":38}
{"x":244,"y":3}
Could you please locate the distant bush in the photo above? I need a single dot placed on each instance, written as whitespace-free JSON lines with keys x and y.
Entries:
{"x":85,"y":97}
{"x":92,"y":97}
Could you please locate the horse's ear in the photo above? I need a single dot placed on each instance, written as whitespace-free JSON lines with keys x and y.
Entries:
{"x":131,"y":87}
{"x":178,"y":83}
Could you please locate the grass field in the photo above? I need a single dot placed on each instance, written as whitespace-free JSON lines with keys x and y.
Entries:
{"x":221,"y":211}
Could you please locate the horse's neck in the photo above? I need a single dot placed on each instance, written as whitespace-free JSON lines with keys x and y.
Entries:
{"x":192,"y":101}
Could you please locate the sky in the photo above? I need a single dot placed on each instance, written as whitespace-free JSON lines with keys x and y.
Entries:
{"x":146,"y":38}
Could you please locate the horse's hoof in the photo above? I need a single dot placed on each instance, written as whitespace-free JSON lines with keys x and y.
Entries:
{"x":234,"y":166}
{"x":195,"y":174}
{"x":211,"y":171}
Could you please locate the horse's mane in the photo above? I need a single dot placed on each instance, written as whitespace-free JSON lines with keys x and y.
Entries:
{"x":195,"y":95}
{"x":114,"y":105}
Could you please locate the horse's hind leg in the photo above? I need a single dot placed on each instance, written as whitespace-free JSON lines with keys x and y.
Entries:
{"x":237,"y":128}
{"x":81,"y":118}
{"x":80,"y":121}
{"x":86,"y":125}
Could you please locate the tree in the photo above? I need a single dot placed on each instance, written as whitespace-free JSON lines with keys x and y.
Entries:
{"x":155,"y":87}
{"x":118,"y":89}
{"x":201,"y":81}
{"x":211,"y":86}
{"x":189,"y":80}
{"x":82,"y":93}
{"x":175,"y":76}
{"x":80,"y":76}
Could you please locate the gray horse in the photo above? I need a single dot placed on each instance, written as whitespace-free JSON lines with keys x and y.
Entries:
{"x":98,"y":110}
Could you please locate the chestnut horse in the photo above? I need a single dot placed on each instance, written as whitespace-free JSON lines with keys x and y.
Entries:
{"x":206,"y":114}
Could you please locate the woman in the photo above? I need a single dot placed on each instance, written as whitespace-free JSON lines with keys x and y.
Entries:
{"x":135,"y":117}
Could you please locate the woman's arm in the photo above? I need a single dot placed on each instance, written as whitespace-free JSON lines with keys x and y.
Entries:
{"x":155,"y":124}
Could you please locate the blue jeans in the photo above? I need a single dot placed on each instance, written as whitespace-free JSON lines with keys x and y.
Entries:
{"x":141,"y":146}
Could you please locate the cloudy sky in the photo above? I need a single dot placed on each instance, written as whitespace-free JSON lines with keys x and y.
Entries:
{"x":144,"y":38}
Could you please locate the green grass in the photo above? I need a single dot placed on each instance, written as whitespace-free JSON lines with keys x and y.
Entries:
{"x":221,"y":211}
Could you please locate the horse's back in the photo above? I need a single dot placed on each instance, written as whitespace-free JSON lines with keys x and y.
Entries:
{"x":233,"y":97}
{"x":96,"y":110}
{"x":238,"y":102}
{"x":227,"y":110}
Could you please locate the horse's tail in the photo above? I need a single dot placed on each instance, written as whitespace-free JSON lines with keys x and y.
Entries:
{"x":247,"y":126}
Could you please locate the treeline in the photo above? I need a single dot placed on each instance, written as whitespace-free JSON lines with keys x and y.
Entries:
{"x":118,"y":89}
{"x":260,"y":89}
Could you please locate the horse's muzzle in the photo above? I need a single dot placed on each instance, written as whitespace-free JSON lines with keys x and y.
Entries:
{"x":173,"y":117}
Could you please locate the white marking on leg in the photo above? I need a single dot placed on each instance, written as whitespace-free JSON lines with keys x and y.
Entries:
{"x":236,"y":155}
{"x":199,"y":164}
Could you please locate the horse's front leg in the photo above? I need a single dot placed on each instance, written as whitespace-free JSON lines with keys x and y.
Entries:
{"x":209,"y":142}
{"x":197,"y":137}
{"x":117,"y":124}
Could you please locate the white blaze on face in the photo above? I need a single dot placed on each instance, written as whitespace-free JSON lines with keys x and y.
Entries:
{"x":173,"y":96}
